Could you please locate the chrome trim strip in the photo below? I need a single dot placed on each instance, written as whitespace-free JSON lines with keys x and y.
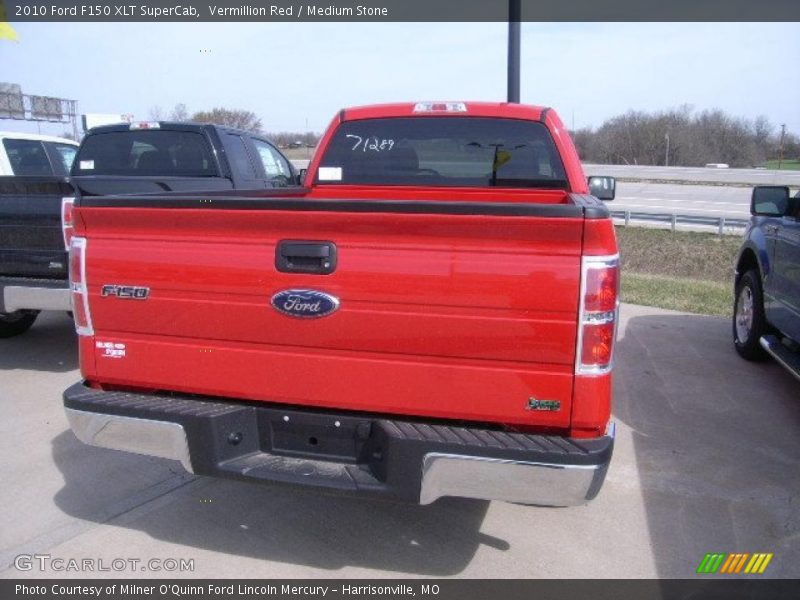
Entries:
{"x":82,"y":288}
{"x":588,"y":262}
{"x":64,"y":202}
{"x":35,"y":298}
{"x":140,"y":436}
{"x":508,"y":480}
{"x":766,"y":345}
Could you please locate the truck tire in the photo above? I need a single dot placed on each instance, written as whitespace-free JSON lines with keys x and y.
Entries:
{"x":17,"y":322}
{"x":749,"y":320}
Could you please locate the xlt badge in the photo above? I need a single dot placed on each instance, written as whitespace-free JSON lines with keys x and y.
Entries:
{"x":304,"y":304}
{"x":125,"y":291}
{"x":534,"y":404}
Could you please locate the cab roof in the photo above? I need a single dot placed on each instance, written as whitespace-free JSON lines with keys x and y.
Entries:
{"x":18,"y":135}
{"x":165,"y":125}
{"x":504,"y":110}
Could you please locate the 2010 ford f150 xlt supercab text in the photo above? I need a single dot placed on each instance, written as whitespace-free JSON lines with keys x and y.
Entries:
{"x":433,"y":315}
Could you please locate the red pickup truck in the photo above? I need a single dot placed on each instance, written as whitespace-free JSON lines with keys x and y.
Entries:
{"x":432,"y":315}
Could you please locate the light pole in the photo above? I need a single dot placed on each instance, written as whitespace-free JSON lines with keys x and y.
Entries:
{"x":514,"y":16}
{"x":783,"y":136}
{"x":666,"y":155}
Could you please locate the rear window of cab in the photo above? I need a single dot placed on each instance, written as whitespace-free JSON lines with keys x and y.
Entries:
{"x":146,"y":152}
{"x":442,"y":151}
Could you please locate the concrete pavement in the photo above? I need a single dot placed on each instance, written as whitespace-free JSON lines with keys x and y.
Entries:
{"x":706,"y":460}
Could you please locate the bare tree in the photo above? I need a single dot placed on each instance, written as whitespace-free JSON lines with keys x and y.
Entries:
{"x":156,"y":113}
{"x":694,"y":139}
{"x":179,"y":113}
{"x":240,"y":119}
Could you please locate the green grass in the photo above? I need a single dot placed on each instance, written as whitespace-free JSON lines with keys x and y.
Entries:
{"x":675,"y":293}
{"x":786,"y":165}
{"x":685,"y":271}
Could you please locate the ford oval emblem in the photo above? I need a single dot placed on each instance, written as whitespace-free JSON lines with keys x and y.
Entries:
{"x":305,"y":304}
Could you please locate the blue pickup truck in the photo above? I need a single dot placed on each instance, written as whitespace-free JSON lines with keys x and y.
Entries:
{"x":766,"y":315}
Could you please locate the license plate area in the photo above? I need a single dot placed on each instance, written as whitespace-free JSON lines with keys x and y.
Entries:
{"x":313,"y":435}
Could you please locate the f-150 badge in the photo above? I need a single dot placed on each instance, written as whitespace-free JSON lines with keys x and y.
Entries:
{"x":125,"y":291}
{"x":304,"y":304}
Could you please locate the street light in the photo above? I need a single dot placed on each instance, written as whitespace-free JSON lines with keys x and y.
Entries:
{"x":514,"y":16}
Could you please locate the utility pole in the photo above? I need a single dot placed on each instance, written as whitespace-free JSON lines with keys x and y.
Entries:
{"x":514,"y":16}
{"x":666,"y":155}
{"x":783,"y":137}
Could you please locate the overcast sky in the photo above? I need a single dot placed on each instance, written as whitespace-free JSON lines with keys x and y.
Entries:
{"x":293,"y":74}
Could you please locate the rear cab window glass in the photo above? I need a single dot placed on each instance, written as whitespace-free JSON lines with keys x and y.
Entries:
{"x":27,"y":157}
{"x":276,"y":167}
{"x":146,"y":153}
{"x":443,"y":151}
{"x":63,"y":154}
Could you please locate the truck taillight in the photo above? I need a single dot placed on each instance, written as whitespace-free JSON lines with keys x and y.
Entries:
{"x":79,"y":290}
{"x":67,"y":229}
{"x":599,"y":313}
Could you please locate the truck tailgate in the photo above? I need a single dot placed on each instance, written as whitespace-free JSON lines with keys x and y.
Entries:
{"x":445,"y":310}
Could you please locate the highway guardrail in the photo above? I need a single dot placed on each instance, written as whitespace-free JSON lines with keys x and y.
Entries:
{"x":721,"y":224}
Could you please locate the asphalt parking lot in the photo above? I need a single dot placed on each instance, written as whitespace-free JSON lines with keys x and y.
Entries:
{"x":707,"y":460}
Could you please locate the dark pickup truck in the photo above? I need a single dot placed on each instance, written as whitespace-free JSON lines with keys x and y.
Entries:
{"x":140,"y":158}
{"x":767,"y":306}
{"x":182,"y":157}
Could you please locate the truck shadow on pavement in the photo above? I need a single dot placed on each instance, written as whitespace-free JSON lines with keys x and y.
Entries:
{"x":50,"y":345}
{"x":302,"y":527}
{"x":715,"y":443}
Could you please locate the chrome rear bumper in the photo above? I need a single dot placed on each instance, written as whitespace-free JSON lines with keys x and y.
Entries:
{"x":140,"y":436}
{"x":410,"y":461}
{"x":34,"y":297}
{"x":511,"y":481}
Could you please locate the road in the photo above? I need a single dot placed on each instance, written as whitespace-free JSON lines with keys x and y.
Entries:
{"x":710,"y":200}
{"x":731,"y":176}
{"x":706,"y":460}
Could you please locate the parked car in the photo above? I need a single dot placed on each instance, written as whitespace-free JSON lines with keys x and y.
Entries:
{"x":767,"y":303}
{"x":433,"y":316}
{"x":33,"y":254}
{"x":36,"y":201}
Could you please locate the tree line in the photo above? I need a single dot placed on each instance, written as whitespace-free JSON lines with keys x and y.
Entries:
{"x":683,"y":137}
{"x":237,"y":118}
{"x":675,"y":137}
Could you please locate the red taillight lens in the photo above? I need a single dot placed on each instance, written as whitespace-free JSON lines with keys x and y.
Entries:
{"x":67,"y":204}
{"x":602,"y":286}
{"x":598,"y":315}
{"x":79,"y":291}
{"x":598,"y":344}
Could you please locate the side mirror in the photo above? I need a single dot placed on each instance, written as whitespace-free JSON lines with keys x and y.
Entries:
{"x":770,"y":201}
{"x":301,"y":176}
{"x":602,"y":187}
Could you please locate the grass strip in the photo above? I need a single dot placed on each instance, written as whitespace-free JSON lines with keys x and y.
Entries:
{"x":678,"y":293}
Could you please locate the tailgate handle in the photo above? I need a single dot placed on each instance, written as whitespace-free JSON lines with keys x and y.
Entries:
{"x":316,"y":258}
